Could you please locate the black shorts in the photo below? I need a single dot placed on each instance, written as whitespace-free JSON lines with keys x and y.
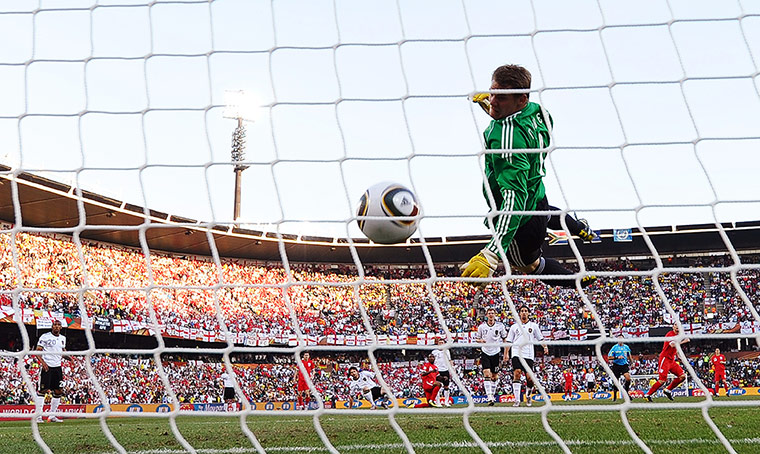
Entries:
{"x":51,"y":379}
{"x":490,"y":362}
{"x":229,"y":394}
{"x":518,"y":365}
{"x":619,"y":369}
{"x":444,"y":377}
{"x":529,"y":237}
{"x":377,"y":392}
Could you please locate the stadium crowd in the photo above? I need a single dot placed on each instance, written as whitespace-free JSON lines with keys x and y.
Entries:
{"x":264,"y":299}
{"x":120,"y":283}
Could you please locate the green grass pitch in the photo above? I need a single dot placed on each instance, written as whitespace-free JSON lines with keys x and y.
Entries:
{"x":676,"y":431}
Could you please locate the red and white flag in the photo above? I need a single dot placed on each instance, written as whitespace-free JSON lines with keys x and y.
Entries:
{"x":578,"y":334}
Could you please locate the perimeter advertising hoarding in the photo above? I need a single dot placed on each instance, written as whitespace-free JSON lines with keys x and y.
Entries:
{"x":22,"y":412}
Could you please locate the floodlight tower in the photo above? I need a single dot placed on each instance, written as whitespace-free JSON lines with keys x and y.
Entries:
{"x":238,"y":107}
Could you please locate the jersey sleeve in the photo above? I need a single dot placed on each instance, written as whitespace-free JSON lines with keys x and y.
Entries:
{"x":537,"y":334}
{"x":479,"y":334}
{"x":511,"y":170}
{"x":512,"y":334}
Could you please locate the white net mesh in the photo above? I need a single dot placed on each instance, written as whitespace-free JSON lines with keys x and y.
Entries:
{"x":655,"y":107}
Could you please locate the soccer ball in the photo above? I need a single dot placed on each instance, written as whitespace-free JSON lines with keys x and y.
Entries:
{"x":389,"y":201}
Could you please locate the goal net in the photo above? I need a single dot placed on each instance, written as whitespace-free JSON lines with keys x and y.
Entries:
{"x":180,"y":182}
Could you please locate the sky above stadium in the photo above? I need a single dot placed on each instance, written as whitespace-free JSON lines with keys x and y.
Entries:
{"x":656,"y":105}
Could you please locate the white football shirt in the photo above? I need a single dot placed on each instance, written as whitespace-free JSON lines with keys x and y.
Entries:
{"x":365,"y":380}
{"x":52,"y":346}
{"x":522,"y":339}
{"x":228,"y":381}
{"x":491,"y":334}
{"x":442,"y":359}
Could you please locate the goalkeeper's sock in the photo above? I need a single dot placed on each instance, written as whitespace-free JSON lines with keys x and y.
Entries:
{"x":54,"y":402}
{"x":551,"y":266}
{"x":516,"y":391}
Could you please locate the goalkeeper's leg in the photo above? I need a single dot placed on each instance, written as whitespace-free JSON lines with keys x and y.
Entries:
{"x":525,"y":254}
{"x":577,"y":227}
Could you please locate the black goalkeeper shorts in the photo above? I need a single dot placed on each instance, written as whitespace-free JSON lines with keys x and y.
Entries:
{"x":525,"y":247}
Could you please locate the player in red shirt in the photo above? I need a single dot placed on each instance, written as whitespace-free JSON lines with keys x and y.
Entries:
{"x":430,"y":385}
{"x":568,"y":376}
{"x":718,"y":362}
{"x":304,"y":396}
{"x":667,"y":364}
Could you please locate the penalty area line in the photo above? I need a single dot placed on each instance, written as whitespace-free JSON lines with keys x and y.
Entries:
{"x":450,"y":445}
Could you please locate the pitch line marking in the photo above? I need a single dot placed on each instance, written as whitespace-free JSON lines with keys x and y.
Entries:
{"x":451,"y":445}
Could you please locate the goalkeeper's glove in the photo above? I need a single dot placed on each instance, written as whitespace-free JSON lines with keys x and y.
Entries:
{"x":483,"y":102}
{"x":483,"y":264}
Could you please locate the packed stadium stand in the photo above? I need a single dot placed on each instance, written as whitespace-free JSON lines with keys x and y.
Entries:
{"x":253,"y":300}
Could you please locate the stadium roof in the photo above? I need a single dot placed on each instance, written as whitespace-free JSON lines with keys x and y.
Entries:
{"x":50,"y":206}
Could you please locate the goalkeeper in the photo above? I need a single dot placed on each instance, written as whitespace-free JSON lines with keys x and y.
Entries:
{"x":515,"y":180}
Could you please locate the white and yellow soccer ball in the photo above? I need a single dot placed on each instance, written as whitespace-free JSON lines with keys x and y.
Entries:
{"x":394,"y":205}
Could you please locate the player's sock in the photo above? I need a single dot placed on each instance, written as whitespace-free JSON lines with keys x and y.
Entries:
{"x":300,"y":401}
{"x":54,"y":402}
{"x":516,"y":390}
{"x":488,"y":385}
{"x":446,"y":396}
{"x":368,"y":396}
{"x":654,"y":388}
{"x":551,"y":266}
{"x":677,"y":381}
{"x":40,"y":400}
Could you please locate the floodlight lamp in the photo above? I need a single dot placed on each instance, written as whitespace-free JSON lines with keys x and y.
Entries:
{"x":241,"y":105}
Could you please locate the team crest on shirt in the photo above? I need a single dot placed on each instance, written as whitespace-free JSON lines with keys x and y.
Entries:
{"x":530,"y":330}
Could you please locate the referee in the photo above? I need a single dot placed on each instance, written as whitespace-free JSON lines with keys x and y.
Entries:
{"x":620,"y":360}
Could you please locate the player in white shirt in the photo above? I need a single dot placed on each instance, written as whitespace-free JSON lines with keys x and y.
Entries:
{"x":52,"y":344}
{"x":229,"y":387}
{"x":490,"y":332}
{"x":443,"y":363}
{"x":590,"y":380}
{"x":521,"y":336}
{"x":363,"y":383}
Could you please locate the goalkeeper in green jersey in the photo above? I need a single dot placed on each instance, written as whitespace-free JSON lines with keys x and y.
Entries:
{"x":515,"y":183}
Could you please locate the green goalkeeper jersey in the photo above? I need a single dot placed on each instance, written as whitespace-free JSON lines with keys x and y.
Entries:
{"x":515,"y":178}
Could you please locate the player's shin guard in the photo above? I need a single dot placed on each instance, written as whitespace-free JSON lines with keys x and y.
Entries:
{"x":677,"y":381}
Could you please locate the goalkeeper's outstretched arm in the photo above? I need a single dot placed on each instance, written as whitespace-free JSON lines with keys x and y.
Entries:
{"x":482,"y":99}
